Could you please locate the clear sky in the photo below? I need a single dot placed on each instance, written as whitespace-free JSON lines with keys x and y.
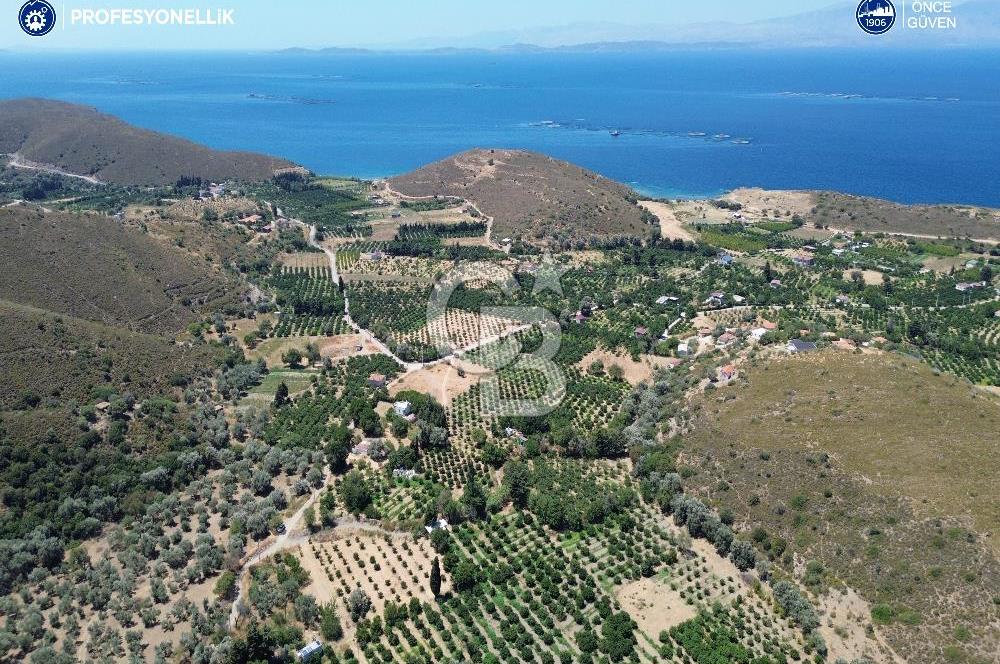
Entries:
{"x":269,"y":24}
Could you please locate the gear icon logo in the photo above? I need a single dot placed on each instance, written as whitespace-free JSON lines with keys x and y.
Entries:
{"x":37,"y":18}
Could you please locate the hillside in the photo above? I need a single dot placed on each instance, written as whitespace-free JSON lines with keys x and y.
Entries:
{"x":91,"y":267}
{"x":862,"y":213}
{"x":80,"y":140}
{"x":532,"y":196}
{"x":55,"y":357}
{"x":849,"y":462}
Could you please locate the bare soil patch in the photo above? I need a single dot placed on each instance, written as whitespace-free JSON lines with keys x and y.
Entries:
{"x":635,"y":371}
{"x":777,"y":202}
{"x":871,"y":277}
{"x":654,"y":605}
{"x":442,"y":381}
{"x":670,"y":226}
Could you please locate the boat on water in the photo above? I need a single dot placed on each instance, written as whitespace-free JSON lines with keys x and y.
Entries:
{"x":697,"y":133}
{"x":741,"y":141}
{"x":615,"y":133}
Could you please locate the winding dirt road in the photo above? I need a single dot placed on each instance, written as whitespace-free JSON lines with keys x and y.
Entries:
{"x":18,"y":161}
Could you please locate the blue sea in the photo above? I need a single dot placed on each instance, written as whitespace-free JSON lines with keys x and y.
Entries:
{"x":903,"y":125}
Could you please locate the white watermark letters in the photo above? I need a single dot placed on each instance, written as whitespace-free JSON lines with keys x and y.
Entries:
{"x":146,"y":17}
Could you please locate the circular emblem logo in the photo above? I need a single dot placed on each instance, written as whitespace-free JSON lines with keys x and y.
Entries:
{"x":37,"y":18}
{"x":876,"y":16}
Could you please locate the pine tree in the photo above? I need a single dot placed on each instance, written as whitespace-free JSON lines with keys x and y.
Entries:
{"x":436,"y":577}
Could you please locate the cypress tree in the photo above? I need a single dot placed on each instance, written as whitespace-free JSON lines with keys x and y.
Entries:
{"x":436,"y":577}
{"x":281,"y":395}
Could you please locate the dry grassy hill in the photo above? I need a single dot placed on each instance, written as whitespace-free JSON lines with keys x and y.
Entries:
{"x":861,"y":213}
{"x":532,"y":196}
{"x":850,"y":462}
{"x":51,"y":356}
{"x":92,"y":267}
{"x":80,"y":140}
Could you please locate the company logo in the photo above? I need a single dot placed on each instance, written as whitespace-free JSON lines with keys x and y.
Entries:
{"x":876,"y":16}
{"x":37,"y":18}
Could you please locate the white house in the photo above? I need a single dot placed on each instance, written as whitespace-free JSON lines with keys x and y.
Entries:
{"x":401,"y":408}
{"x":683,"y":349}
{"x":440,"y":524}
{"x":313,"y":649}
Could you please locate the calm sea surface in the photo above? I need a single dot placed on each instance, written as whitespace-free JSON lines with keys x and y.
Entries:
{"x":908,"y":126}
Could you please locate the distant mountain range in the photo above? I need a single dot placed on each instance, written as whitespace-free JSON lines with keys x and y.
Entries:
{"x":978,"y":25}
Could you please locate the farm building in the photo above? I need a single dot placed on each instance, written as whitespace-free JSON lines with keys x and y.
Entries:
{"x":310,"y":651}
{"x":726,"y":339}
{"x":440,"y":524}
{"x":799,"y":346}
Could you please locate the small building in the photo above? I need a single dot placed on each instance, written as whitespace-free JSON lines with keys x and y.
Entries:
{"x":775,"y":283}
{"x":768,"y":325}
{"x":963,"y":287}
{"x":715,"y":299}
{"x":641,"y":331}
{"x":683,"y":350}
{"x":843,"y":344}
{"x":376,"y":380}
{"x":404,"y":473}
{"x":580,"y":318}
{"x":402,"y":408}
{"x":440,"y":524}
{"x":843,"y":299}
{"x":102,"y":405}
{"x":725,"y":259}
{"x":800,"y":346}
{"x":739,"y":299}
{"x":727,"y":372}
{"x":757,"y":333}
{"x":310,"y":651}
{"x":511,"y":432}
{"x":726,"y":339}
